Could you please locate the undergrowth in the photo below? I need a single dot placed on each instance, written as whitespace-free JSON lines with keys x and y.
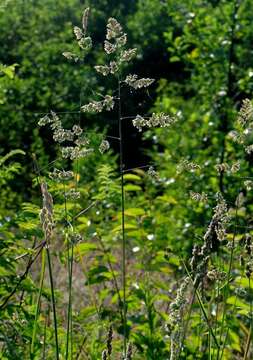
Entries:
{"x":90,"y":273}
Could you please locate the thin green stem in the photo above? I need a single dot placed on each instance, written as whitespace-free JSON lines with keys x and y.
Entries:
{"x":53,"y":303}
{"x":42,"y":275}
{"x":45,"y":335}
{"x":122,"y":220}
{"x":70,"y":276}
{"x":69,"y":306}
{"x":249,"y":338}
{"x":209,"y":346}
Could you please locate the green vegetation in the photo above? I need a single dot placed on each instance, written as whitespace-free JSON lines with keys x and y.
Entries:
{"x":125,"y":180}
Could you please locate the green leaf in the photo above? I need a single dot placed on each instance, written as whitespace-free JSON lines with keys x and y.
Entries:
{"x":233,"y":300}
{"x":131,"y":187}
{"x":128,"y":227}
{"x":134,"y":212}
{"x":174,"y":59}
{"x":10,"y":154}
{"x":132,"y":177}
{"x":8,"y":70}
{"x":4,"y":272}
{"x":88,"y":311}
{"x":84,"y":248}
{"x":97,"y":275}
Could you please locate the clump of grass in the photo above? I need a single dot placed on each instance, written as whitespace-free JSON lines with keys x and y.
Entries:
{"x":75,"y":144}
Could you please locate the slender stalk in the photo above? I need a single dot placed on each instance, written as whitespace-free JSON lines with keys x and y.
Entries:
{"x":42,"y":275}
{"x":70,"y":276}
{"x":45,"y":335}
{"x":122,"y":220}
{"x":53,"y":303}
{"x":209,"y":346}
{"x":249,"y":338}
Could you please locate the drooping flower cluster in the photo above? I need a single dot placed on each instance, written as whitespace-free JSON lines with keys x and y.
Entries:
{"x":105,"y":70}
{"x":70,"y":56}
{"x":104,"y":146}
{"x":186,"y":165}
{"x":237,"y":137}
{"x":114,"y":44}
{"x":199,"y":197}
{"x":62,"y":135}
{"x":61,"y":175}
{"x":127,"y":55}
{"x":75,"y":152}
{"x":245,"y":116}
{"x":225,"y":167}
{"x":248,"y":184}
{"x":109,"y":47}
{"x":99,"y":106}
{"x":243,"y":134}
{"x":72,"y":194}
{"x":134,"y":82}
{"x":59,"y":133}
{"x":152,"y":173}
{"x":114,"y":29}
{"x":156,"y":120}
{"x":249,"y":149}
{"x":115,"y":33}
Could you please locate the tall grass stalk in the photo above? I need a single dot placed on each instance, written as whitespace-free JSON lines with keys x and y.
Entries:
{"x":37,"y":311}
{"x":57,"y":354}
{"x":122,"y":219}
{"x":69,"y":317}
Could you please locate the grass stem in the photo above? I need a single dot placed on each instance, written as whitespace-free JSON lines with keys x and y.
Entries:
{"x":53,"y":303}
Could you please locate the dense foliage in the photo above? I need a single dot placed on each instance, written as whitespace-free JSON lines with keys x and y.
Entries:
{"x":125,"y":220}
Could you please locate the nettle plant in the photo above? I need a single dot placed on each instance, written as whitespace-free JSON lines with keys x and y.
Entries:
{"x":74,"y":145}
